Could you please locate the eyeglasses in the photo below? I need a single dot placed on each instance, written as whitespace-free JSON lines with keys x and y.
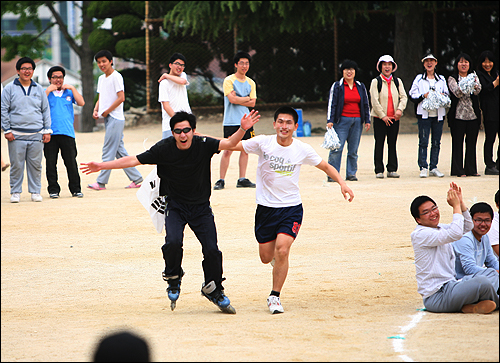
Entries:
{"x":24,"y":69}
{"x":179,"y":131}
{"x":179,"y":64}
{"x":243,"y":64}
{"x":57,"y":77}
{"x":485,"y":221}
{"x":427,"y":211}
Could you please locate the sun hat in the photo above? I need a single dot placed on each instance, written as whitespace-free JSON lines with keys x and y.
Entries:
{"x":387,"y":58}
{"x":429,"y":56}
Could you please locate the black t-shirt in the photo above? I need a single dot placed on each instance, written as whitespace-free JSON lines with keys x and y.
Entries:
{"x":184,"y":174}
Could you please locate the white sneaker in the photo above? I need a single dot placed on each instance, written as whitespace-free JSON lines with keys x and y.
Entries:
{"x":274,"y":304}
{"x":36,"y":197}
{"x":424,"y":173}
{"x":15,"y":198}
{"x":436,"y":172}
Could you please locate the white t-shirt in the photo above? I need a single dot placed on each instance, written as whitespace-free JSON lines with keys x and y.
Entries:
{"x":176,"y":95}
{"x":493,"y":232}
{"x":278,"y":169}
{"x":108,"y":87}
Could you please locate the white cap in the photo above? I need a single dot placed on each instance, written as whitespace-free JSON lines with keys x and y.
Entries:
{"x":429,"y":56}
{"x":387,"y":58}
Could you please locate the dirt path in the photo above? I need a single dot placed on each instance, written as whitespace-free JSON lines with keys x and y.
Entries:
{"x":76,"y":269}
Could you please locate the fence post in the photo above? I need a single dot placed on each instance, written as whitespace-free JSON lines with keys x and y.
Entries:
{"x":148,"y":92}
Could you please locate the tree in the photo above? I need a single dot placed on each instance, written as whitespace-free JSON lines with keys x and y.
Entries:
{"x":29,"y":45}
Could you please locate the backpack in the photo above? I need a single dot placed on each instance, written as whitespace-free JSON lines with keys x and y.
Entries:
{"x":379,"y":86}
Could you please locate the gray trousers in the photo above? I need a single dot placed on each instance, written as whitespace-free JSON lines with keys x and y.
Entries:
{"x":30,"y":153}
{"x":114,"y":148}
{"x":471,"y":289}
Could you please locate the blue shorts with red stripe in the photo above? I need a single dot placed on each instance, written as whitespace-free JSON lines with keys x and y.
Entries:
{"x":269,"y":222}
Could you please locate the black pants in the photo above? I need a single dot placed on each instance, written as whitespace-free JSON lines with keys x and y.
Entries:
{"x":470,"y":130}
{"x":67,"y":145}
{"x":200,"y":219}
{"x":380,"y":132}
{"x":490,"y":134}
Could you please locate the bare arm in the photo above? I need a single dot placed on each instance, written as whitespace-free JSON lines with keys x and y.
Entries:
{"x":334,"y":174}
{"x":120,"y":98}
{"x":243,"y":101}
{"x":176,"y":79}
{"x":247,"y":121}
{"x":166,"y":106}
{"x":122,"y":163}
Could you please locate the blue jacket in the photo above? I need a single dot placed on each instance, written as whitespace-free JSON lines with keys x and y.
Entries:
{"x":336,"y":102}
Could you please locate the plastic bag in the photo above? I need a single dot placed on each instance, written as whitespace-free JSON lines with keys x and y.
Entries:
{"x":467,"y":84}
{"x":149,"y":196}
{"x":331,"y":141}
{"x":435,"y":100}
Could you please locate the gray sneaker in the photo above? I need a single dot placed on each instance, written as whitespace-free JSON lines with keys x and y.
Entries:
{"x":380,"y":175}
{"x":392,"y":174}
{"x":436,"y":172}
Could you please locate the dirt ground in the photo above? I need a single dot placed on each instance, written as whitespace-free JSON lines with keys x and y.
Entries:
{"x":74,"y":270}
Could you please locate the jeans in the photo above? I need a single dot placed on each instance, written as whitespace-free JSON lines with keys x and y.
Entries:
{"x":114,"y":148}
{"x":428,"y":126}
{"x":67,"y":145}
{"x":348,"y":129}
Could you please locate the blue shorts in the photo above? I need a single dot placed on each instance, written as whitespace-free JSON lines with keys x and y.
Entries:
{"x":269,"y":222}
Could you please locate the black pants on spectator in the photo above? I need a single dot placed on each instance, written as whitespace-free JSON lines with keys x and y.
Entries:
{"x":67,"y":145}
{"x":470,"y":130}
{"x":490,"y":134}
{"x":380,"y":132}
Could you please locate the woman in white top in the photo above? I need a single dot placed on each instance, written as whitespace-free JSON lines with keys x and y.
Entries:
{"x":429,"y":122}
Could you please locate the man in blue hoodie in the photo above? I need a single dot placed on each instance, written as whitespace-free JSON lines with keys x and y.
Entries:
{"x":26,"y":125}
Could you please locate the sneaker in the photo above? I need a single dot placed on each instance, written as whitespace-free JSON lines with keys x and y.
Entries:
{"x":380,"y":175}
{"x":96,"y":186}
{"x":219,"y":184}
{"x":436,"y":172}
{"x":392,"y":174}
{"x":491,"y":171}
{"x":54,"y":195}
{"x":35,"y":197}
{"x":245,"y":183}
{"x":274,"y":304}
{"x":351,"y":178}
{"x":15,"y":198}
{"x":133,"y":185}
{"x":77,"y":194}
{"x":424,"y":173}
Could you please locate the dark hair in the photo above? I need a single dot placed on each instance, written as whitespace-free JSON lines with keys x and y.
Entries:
{"x":467,"y":58}
{"x":183,"y":116}
{"x":23,"y":60}
{"x":496,"y":198}
{"x":240,"y":55}
{"x":55,"y":69}
{"x":122,"y":347}
{"x":176,"y":56}
{"x":104,"y":53}
{"x":487,"y":54}
{"x":347,"y":63}
{"x":288,"y":111}
{"x":417,"y":202}
{"x":481,"y":207}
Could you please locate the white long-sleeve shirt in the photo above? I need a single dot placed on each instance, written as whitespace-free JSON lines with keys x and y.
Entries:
{"x":434,"y":255}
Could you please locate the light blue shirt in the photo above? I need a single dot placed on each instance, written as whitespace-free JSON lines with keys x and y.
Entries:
{"x":472,"y":256}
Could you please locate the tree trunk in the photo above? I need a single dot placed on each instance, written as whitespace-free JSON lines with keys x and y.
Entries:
{"x":87,"y":123}
{"x":408,"y":45}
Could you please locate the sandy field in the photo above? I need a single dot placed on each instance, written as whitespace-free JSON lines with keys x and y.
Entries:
{"x":74,"y":270}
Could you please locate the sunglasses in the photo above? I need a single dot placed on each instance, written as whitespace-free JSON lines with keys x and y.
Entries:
{"x":185,"y":130}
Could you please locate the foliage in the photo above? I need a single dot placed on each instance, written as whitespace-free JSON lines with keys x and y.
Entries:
{"x":134,"y":80}
{"x":101,"y":39}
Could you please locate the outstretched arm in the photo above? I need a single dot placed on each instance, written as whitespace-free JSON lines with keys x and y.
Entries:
{"x":334,"y":174}
{"x":247,"y":121}
{"x":122,"y":163}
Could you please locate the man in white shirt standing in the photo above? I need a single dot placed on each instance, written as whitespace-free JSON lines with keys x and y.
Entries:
{"x":172,"y":93}
{"x":435,"y":260}
{"x":279,"y":207}
{"x":109,"y":105}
